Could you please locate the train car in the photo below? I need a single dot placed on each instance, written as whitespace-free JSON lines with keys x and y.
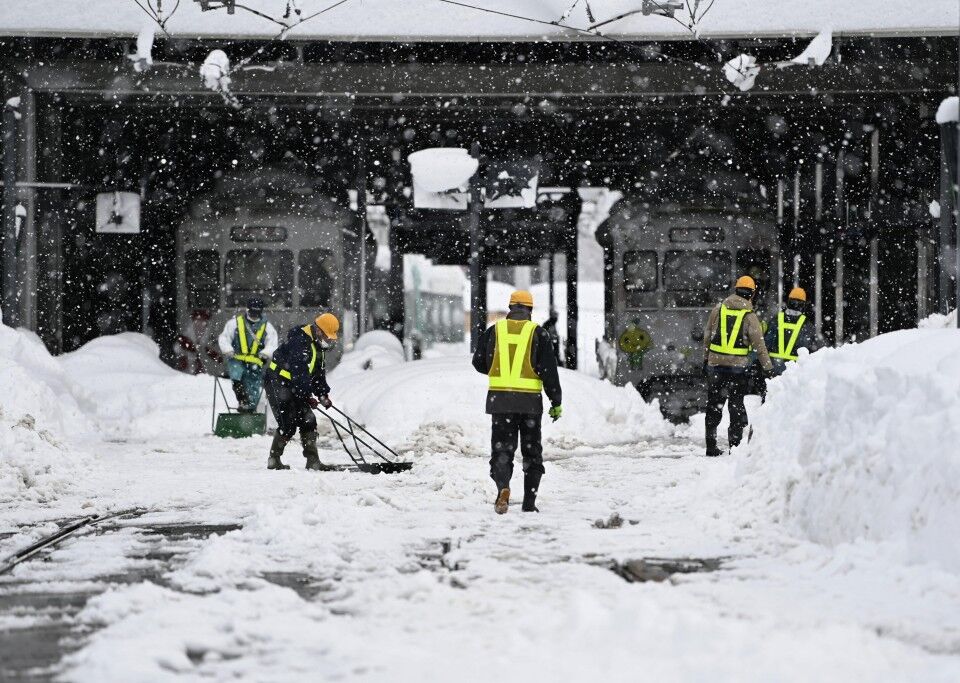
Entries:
{"x":666,"y":266}
{"x":273,"y":234}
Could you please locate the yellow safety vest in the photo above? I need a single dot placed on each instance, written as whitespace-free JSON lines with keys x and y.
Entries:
{"x":283,"y":372}
{"x":512,"y":368}
{"x":786,"y":351}
{"x":248,"y":354}
{"x":729,"y":343}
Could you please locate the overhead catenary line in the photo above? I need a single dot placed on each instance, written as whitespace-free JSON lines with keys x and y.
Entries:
{"x":598,"y":34}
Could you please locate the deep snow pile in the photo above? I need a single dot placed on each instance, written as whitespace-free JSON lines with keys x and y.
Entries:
{"x":122,"y":384}
{"x":372,"y":350}
{"x":938,"y":321}
{"x":438,"y":405}
{"x":862,"y":443}
{"x":37,"y":414}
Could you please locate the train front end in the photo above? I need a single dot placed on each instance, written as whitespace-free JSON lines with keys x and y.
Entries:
{"x":666,"y":267}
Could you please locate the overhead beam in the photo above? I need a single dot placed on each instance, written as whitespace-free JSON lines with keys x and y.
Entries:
{"x":341,"y":84}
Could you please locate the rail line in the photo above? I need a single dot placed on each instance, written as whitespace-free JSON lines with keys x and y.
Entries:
{"x":62,"y":534}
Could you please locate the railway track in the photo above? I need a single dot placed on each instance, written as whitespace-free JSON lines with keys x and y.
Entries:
{"x":38,"y":624}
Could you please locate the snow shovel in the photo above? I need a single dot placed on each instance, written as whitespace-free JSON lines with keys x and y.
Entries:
{"x":382,"y":463}
{"x":234,"y":424}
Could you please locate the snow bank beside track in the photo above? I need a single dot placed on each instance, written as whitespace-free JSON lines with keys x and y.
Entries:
{"x":122,"y":384}
{"x":862,"y":443}
{"x":438,"y":405}
{"x":37,"y":413}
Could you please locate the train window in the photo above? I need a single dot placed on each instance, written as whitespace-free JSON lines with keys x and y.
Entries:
{"x":266,"y":273}
{"x":258,"y":233}
{"x":639,"y":273}
{"x":711,"y":234}
{"x":203,"y":278}
{"x":697,"y":271}
{"x":316,"y":277}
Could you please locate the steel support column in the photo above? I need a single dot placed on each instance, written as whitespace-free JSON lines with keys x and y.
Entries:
{"x":361,"y":187}
{"x":28,"y":198}
{"x":478,"y":271}
{"x":11,"y":308}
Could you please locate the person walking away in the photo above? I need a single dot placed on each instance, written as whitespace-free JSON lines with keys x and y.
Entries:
{"x":731,"y":330}
{"x":517,"y":356}
{"x":551,"y":328}
{"x":789,"y":331}
{"x":296,"y":383}
{"x":247,"y":342}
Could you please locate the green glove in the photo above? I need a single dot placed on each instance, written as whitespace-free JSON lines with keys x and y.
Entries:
{"x":555,"y":412}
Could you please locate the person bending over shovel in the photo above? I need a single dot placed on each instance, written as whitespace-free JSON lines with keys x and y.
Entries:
{"x":518,"y":357}
{"x":296,"y":383}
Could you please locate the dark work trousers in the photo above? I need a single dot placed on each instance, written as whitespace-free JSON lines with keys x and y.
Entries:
{"x":729,"y":388}
{"x":505,"y":430}
{"x":292,"y":413}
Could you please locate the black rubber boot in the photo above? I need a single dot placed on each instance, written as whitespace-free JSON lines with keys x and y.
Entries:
{"x":243,"y":399}
{"x":310,"y":452}
{"x":712,"y":450}
{"x":276,"y":450}
{"x":531,"y":484}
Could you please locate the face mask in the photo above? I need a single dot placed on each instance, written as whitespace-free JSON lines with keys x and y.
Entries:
{"x":324,"y":344}
{"x":253,"y":317}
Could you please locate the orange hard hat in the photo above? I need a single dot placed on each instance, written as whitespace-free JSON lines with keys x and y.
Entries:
{"x":521,"y":297}
{"x":328,"y":324}
{"x":798,"y":293}
{"x":746,"y":282}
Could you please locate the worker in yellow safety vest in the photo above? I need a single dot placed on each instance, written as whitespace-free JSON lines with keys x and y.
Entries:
{"x":731,"y":332}
{"x":517,"y":356}
{"x":248,"y":341}
{"x":790,"y":330}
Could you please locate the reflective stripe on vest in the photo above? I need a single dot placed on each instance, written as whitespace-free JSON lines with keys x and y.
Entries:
{"x":729,"y":339}
{"x":786,"y":351}
{"x":248,"y":354}
{"x":311,"y":366}
{"x":513,"y":371}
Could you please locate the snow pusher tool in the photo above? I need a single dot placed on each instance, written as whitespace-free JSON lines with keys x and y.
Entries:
{"x":233,"y":423}
{"x":358,"y":433}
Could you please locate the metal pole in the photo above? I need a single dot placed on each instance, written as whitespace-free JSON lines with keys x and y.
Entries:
{"x":874,"y":287}
{"x":478,"y":315}
{"x":362,"y":228}
{"x":838,"y":297}
{"x":11,"y":312}
{"x":28,"y":197}
{"x":551,"y":274}
{"x":818,"y":295}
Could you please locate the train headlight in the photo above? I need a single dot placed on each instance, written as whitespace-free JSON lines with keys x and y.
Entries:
{"x":634,"y":340}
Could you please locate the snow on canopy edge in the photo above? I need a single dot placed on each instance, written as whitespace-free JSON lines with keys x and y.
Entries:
{"x":427,"y":20}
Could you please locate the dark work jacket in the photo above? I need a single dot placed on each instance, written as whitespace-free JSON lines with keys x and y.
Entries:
{"x":806,"y":340}
{"x":294,"y":355}
{"x":542,"y":359}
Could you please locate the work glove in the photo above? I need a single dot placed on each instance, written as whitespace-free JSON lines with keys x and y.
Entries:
{"x":326,"y":402}
{"x":264,"y":356}
{"x":228,"y":355}
{"x":555,"y":412}
{"x":312,"y":400}
{"x":767,"y":374}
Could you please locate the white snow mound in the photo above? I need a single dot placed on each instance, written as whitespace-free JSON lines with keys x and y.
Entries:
{"x":860,"y":444}
{"x":36,"y":410}
{"x":438,"y":405}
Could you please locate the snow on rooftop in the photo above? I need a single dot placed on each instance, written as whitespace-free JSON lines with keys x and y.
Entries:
{"x":438,"y":20}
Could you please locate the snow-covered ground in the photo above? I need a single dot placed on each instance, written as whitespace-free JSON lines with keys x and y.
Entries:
{"x":833,"y":528}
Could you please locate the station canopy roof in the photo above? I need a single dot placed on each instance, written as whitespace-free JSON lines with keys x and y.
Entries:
{"x":467,"y":20}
